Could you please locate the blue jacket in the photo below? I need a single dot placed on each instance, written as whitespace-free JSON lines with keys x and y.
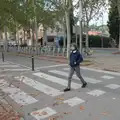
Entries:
{"x":75,"y":58}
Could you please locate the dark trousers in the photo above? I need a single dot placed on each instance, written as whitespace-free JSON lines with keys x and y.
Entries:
{"x":77,"y":70}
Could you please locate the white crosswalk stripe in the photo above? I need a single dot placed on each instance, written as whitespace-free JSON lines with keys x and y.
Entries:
{"x":113,"y":86}
{"x":74,"y":101}
{"x":14,"y":70}
{"x":16,"y":94}
{"x":56,"y":80}
{"x":40,"y":86}
{"x":87,"y":79}
{"x":48,"y":112}
{"x":99,"y":71}
{"x":107,"y":77}
{"x":96,"y":93}
{"x":3,"y":63}
{"x":12,"y":66}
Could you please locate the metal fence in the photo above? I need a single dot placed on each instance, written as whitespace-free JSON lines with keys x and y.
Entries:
{"x":47,"y":50}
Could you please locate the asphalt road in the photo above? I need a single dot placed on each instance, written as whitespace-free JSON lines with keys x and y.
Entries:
{"x":39,"y":95}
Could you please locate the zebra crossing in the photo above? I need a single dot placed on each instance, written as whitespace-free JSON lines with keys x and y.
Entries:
{"x":87,"y":79}
{"x":16,"y":94}
{"x":56,"y":80}
{"x":53,"y":76}
{"x":41,"y":87}
{"x":11,"y":67}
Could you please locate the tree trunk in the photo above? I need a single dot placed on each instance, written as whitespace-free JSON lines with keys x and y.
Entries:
{"x":45,"y":37}
{"x":36,"y":31}
{"x":6,"y":39}
{"x":68,"y":33}
{"x":80,"y":21}
{"x":64,"y":37}
{"x":80,"y":38}
{"x":33,"y":43}
{"x":24,"y":37}
{"x":119,"y":21}
{"x":76,"y":35}
{"x":18,"y":39}
{"x":87,"y":36}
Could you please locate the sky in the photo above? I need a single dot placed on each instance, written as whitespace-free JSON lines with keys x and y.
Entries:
{"x":100,"y":21}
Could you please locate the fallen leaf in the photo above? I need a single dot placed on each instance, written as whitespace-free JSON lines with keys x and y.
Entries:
{"x":57,"y":103}
{"x":82,"y":108}
{"x":59,"y":98}
{"x":35,"y":113}
{"x":43,"y":113}
{"x":55,"y":117}
{"x":21,"y":106}
{"x":34,"y":94}
{"x":40,"y":113}
{"x":66,"y":113}
{"x":105,"y":113}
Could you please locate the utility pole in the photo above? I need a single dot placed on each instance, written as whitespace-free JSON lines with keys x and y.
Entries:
{"x":80,"y":22}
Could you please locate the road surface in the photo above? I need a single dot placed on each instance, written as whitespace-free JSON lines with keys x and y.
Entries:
{"x":39,"y":95}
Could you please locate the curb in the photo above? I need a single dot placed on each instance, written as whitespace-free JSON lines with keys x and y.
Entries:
{"x":57,"y":59}
{"x":116,"y":53}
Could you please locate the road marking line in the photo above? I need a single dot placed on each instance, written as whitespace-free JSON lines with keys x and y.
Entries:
{"x":4,"y":63}
{"x":12,"y":66}
{"x":2,"y":76}
{"x":56,"y":80}
{"x":43,"y":113}
{"x":107,"y":77}
{"x":59,"y":65}
{"x":19,"y":64}
{"x":40,"y":86}
{"x":16,"y":94}
{"x":90,"y":80}
{"x":74,"y":101}
{"x":113,"y":86}
{"x":100,"y":71}
{"x":13,"y":70}
{"x":96,"y":92}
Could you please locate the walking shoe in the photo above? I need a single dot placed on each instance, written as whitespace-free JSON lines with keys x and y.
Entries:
{"x":84,"y":85}
{"x":67,"y":89}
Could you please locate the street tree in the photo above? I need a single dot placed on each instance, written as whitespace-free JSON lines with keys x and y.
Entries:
{"x":118,"y":6}
{"x":91,"y":10}
{"x":113,"y":22}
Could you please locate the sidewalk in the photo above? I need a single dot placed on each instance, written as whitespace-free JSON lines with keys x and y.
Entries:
{"x":6,"y":110}
{"x":108,"y":63}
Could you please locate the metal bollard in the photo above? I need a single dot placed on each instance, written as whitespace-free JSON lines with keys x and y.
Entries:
{"x":2,"y":56}
{"x":33,"y":63}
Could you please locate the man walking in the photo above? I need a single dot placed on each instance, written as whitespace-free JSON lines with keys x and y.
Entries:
{"x":75,"y":60}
